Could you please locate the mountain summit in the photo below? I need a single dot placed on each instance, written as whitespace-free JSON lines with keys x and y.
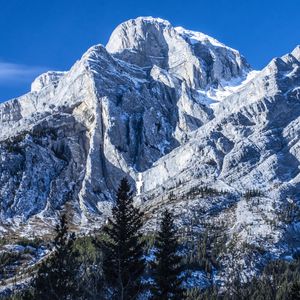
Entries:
{"x":194,"y":57}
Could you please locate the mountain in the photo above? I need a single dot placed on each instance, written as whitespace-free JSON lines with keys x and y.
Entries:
{"x":181,"y":114}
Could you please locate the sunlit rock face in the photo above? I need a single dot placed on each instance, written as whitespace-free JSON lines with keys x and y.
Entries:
{"x":48,"y":78}
{"x":197,"y":59}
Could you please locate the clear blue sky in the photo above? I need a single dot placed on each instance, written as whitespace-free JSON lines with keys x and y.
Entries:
{"x":39,"y":35}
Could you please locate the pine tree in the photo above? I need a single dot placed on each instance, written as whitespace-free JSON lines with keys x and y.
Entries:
{"x":91,"y":283}
{"x":56,"y":278}
{"x":123,"y":263}
{"x":166,"y":268}
{"x":294,"y":292}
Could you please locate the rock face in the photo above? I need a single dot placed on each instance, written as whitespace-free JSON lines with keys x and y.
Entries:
{"x":251,"y":142}
{"x":49,"y":78}
{"x":172,"y":109}
{"x":195,"y":58}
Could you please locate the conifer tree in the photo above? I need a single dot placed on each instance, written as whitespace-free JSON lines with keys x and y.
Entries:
{"x":166,"y":268}
{"x":56,"y":278}
{"x":123,"y":262}
{"x":294,"y":292}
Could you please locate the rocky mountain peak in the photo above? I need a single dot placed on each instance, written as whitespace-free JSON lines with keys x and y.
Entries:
{"x":296,"y":52}
{"x":135,"y":33}
{"x":45,"y":79}
{"x":192,"y":56}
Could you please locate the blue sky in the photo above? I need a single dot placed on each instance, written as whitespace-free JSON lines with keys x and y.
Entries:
{"x":45,"y":35}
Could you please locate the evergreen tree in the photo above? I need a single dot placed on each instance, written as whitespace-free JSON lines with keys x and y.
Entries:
{"x":91,"y":283}
{"x":56,"y":278}
{"x":166,"y":268}
{"x":294,"y":292}
{"x":123,"y":262}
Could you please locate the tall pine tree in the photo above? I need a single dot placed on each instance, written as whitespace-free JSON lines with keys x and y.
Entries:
{"x":166,"y":268}
{"x":294,"y":292}
{"x":56,"y":278}
{"x":123,"y":263}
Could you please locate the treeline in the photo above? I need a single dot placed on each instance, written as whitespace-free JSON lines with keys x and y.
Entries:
{"x":121,"y":263}
{"x":118,"y":269}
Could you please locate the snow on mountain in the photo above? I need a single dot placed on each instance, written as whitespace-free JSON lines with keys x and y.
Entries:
{"x":50,"y":77}
{"x":172,"y":109}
